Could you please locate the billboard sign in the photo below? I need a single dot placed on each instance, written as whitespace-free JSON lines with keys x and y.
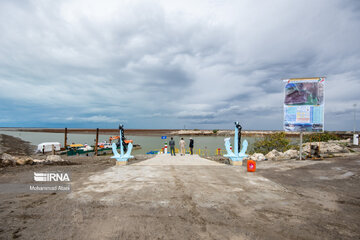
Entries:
{"x":304,"y":104}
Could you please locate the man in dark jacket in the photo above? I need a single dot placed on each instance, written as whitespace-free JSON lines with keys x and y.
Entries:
{"x":191,"y":145}
{"x":172,"y":146}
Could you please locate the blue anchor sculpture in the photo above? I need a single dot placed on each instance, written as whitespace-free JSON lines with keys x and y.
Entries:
{"x":237,"y":156}
{"x":122,"y":157}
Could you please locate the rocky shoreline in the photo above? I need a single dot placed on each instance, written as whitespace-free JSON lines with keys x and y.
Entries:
{"x":326,"y":150}
{"x":334,"y":148}
{"x":17,"y":152}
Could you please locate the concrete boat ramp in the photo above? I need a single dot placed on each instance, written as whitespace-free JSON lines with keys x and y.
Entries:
{"x":168,"y":160}
{"x":188,"y":197}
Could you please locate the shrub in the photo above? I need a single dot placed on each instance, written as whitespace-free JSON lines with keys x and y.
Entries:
{"x":320,"y":137}
{"x":276,"y":141}
{"x":215,"y":130}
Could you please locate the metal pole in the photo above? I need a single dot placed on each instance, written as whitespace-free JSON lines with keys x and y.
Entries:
{"x":301,"y":140}
{"x":354,"y":117}
{"x":96,"y":141}
{"x":236,"y":141}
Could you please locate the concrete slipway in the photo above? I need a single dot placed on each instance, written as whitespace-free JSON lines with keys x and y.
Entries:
{"x":188,"y":197}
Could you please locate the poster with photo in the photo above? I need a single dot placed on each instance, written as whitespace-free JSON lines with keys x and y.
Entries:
{"x":304,"y":105}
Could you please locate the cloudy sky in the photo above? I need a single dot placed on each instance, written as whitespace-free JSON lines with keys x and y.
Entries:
{"x":174,"y":63}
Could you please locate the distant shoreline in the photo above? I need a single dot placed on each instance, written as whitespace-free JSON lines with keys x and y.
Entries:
{"x":160,"y":132}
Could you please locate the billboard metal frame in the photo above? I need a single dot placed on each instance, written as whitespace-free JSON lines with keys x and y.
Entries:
{"x":312,"y":79}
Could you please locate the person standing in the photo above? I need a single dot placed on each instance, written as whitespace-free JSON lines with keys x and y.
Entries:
{"x":172,"y":146}
{"x":191,"y":146}
{"x":182,"y":147}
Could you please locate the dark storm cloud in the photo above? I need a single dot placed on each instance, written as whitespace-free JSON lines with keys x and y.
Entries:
{"x":170,"y":63}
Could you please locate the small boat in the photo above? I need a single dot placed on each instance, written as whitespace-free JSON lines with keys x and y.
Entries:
{"x":153,"y":152}
{"x":118,"y":137}
{"x":86,"y":148}
{"x":76,"y":145}
{"x":135,"y":146}
{"x":104,"y":145}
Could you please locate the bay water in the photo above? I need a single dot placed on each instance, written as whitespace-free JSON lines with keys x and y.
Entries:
{"x":147,"y":143}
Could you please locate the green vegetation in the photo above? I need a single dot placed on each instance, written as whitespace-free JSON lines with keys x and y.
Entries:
{"x":276,"y":141}
{"x":320,"y":137}
{"x":279,"y":141}
{"x":215,"y":130}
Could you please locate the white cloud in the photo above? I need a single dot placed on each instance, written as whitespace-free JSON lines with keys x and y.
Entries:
{"x":183,"y":62}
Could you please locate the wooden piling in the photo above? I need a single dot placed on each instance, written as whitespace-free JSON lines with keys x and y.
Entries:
{"x":96,"y":141}
{"x":65,"y":138}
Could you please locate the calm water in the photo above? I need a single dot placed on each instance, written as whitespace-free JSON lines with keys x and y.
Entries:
{"x":147,"y":143}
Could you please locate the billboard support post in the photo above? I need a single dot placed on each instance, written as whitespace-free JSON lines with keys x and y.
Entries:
{"x":301,"y":143}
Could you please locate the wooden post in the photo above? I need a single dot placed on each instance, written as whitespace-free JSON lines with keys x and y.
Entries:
{"x":65,"y":138}
{"x":96,"y":142}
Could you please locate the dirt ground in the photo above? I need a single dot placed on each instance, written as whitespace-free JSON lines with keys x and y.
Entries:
{"x":281,"y":200}
{"x":7,"y":144}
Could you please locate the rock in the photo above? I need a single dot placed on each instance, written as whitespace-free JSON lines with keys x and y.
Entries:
{"x":348,"y":140}
{"x":24,"y":160}
{"x":54,"y":158}
{"x":20,"y":161}
{"x":257,"y":157}
{"x":39,"y":160}
{"x":270,"y":156}
{"x":291,"y":154}
{"x":29,"y":160}
{"x":331,"y":148}
{"x":7,"y":160}
{"x":274,"y":155}
{"x":328,"y":147}
{"x":6,"y":156}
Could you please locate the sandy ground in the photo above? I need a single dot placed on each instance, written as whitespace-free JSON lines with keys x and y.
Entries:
{"x":169,"y":199}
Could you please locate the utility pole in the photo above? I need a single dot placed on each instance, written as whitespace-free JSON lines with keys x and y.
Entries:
{"x":301,"y":143}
